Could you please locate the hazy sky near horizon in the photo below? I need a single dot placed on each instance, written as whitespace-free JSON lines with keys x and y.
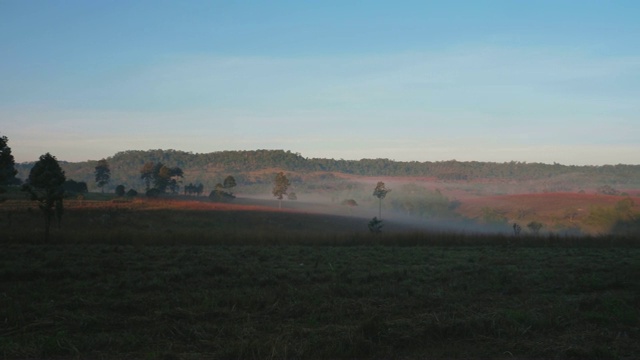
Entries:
{"x":536,"y":81}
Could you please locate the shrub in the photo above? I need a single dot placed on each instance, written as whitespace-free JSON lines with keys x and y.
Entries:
{"x":153,"y":193}
{"x":349,"y":202}
{"x":375,"y":225}
{"x":73,"y":187}
{"x":535,"y":227}
{"x":493,"y":216}
{"x":220,"y":196}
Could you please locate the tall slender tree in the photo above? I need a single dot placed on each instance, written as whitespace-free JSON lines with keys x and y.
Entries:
{"x":281,"y":184}
{"x":380,"y":192}
{"x":45,"y":185}
{"x":102,"y":173}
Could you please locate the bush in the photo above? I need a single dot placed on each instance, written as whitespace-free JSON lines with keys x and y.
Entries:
{"x":221,"y":196}
{"x":535,"y":227}
{"x":608,"y":190}
{"x":493,"y":216}
{"x":132,"y":193}
{"x":153,"y":193}
{"x":73,"y":187}
{"x":375,"y":225}
{"x":349,"y":202}
{"x":120,"y":190}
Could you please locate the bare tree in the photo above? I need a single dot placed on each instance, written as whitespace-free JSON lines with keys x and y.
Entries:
{"x":516,"y":229}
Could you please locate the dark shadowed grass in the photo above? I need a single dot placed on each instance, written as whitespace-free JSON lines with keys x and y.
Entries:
{"x":249,"y":302}
{"x":157,"y":224}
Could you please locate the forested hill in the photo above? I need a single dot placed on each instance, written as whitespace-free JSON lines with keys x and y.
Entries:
{"x":126,"y":165}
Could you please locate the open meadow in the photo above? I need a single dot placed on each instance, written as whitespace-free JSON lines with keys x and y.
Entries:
{"x":169,"y":279}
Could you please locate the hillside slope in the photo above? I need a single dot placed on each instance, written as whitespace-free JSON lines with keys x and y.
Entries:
{"x":258,"y":166}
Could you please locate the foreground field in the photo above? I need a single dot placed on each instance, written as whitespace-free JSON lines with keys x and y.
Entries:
{"x":253,"y":302}
{"x":190,"y":280}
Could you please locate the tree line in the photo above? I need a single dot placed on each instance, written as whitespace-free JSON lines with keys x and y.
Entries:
{"x":207,"y":168}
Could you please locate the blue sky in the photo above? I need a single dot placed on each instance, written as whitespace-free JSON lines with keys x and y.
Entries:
{"x":535,"y":81}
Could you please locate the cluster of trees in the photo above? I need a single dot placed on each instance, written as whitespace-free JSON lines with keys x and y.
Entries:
{"x":162,"y":178}
{"x":47,"y":183}
{"x":194,"y":189}
{"x":222,"y":192}
{"x":159,"y":178}
{"x":122,"y":191}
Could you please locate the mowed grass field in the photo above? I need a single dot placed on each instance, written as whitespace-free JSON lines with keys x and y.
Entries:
{"x":163,"y":280}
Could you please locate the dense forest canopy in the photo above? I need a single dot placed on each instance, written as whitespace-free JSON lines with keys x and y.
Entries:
{"x":209,"y":168}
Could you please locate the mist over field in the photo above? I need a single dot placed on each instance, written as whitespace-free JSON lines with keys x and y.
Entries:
{"x":451,"y":196}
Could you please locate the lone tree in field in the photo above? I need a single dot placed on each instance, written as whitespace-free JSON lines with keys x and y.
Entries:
{"x":375,"y":225}
{"x":516,"y":229}
{"x":103,"y":174}
{"x":7,"y":164}
{"x":229,"y":182}
{"x":281,"y":183}
{"x":380,"y":192}
{"x":535,"y":227}
{"x":45,"y":185}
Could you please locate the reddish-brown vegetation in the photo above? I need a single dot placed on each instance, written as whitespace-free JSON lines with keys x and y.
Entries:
{"x":549,"y":203}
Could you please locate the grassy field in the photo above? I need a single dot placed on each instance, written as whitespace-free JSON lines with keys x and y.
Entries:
{"x":127,"y":280}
